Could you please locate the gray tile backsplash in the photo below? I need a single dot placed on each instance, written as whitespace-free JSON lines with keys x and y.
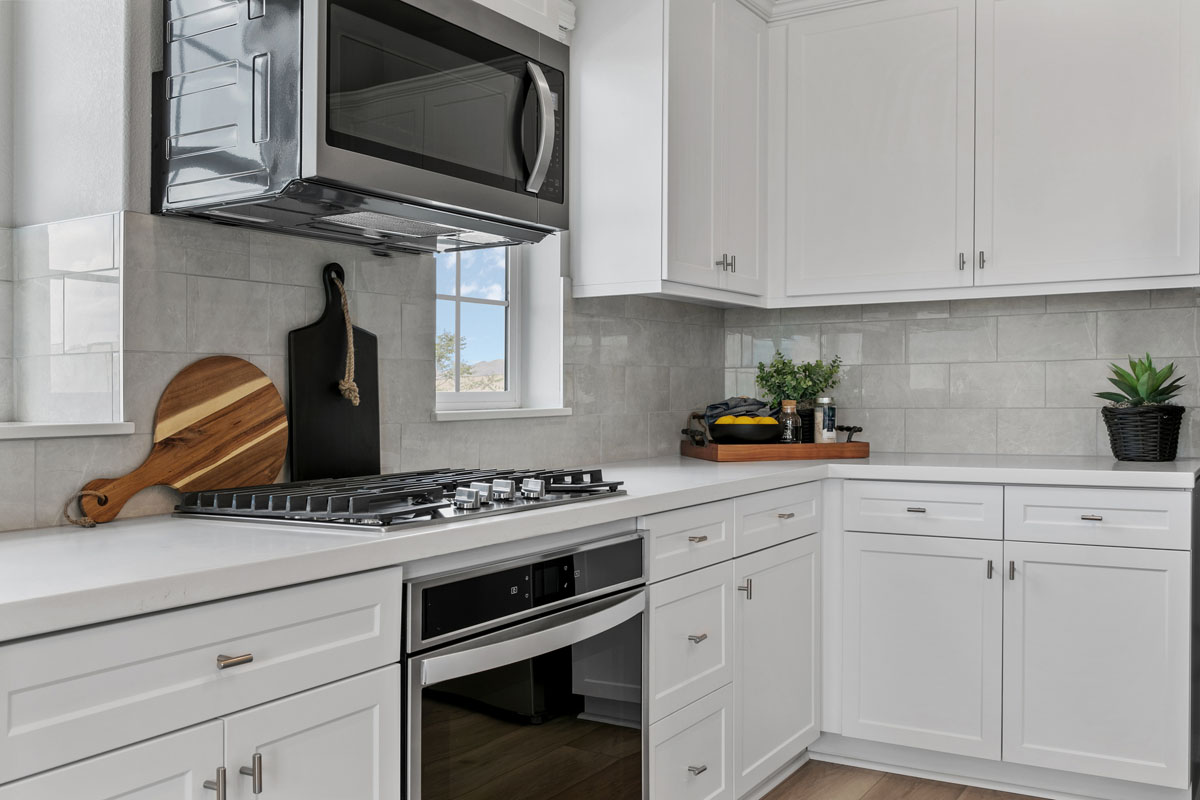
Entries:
{"x":634,"y":366}
{"x":997,"y":375}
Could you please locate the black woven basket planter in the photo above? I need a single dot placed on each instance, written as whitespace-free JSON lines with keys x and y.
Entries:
{"x":1143,"y":433}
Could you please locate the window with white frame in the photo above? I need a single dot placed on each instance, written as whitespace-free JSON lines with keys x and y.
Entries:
{"x":477,"y":327}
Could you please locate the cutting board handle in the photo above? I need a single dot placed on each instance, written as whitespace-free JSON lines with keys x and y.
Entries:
{"x":117,"y":492}
{"x":333,"y":298}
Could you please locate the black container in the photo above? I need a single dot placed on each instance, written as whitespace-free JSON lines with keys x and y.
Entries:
{"x":808,"y":425}
{"x":1144,"y":433}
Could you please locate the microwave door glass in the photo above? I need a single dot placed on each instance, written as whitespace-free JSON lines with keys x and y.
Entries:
{"x":411,"y":88}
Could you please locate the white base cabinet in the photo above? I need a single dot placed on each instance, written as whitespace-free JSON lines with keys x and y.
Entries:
{"x":172,"y":767}
{"x":691,"y":751}
{"x":1097,"y":660}
{"x":777,"y":622}
{"x":922,"y":632}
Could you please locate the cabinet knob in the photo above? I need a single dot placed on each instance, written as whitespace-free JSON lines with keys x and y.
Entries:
{"x":225,"y":662}
{"x":697,"y":539}
{"x":697,"y":639}
{"x":700,"y":770}
{"x":748,"y":588}
{"x":218,"y":785}
{"x":255,"y":772}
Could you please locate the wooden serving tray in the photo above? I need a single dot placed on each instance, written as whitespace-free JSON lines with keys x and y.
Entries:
{"x":775,"y":452}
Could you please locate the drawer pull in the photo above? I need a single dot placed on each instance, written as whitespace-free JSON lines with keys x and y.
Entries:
{"x":1092,"y":517}
{"x":698,"y":639}
{"x":218,"y":785}
{"x":991,"y":569}
{"x":254,"y":771}
{"x":1012,"y":570}
{"x":697,"y":539}
{"x":700,"y":770}
{"x":788,"y":515}
{"x":225,"y":662}
{"x":748,"y":588}
{"x":916,"y":510}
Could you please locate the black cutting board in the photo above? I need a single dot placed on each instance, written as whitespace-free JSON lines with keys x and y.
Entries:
{"x":329,"y":436}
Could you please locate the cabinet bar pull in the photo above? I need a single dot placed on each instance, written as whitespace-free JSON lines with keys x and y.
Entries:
{"x":697,"y":539}
{"x":698,"y":770}
{"x":1012,"y":570}
{"x":254,"y":771}
{"x":982,"y":260}
{"x":218,"y":785}
{"x":788,"y":515}
{"x":1092,"y":517}
{"x":733,"y":263}
{"x":991,"y":569}
{"x":962,"y":261}
{"x":748,"y":588}
{"x":916,"y":510}
{"x":723,"y":263}
{"x":698,"y":639}
{"x":225,"y":662}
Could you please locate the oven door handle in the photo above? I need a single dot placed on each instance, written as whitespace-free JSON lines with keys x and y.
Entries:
{"x":552,"y":633}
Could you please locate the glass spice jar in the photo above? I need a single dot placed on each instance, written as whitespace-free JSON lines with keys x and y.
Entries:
{"x":790,"y":421}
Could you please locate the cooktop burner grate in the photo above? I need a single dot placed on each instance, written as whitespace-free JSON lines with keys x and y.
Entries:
{"x":403,"y":499}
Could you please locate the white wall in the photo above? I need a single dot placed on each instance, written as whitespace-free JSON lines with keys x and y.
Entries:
{"x":80,"y":106}
{"x":6,"y":65}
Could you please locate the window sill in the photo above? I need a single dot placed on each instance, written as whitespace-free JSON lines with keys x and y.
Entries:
{"x":60,"y":430}
{"x":498,"y":413}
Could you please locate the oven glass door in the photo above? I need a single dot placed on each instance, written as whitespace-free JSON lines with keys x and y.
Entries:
{"x":406,"y":86}
{"x":548,"y":710}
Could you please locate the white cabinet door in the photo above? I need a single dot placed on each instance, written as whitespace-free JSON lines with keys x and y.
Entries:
{"x":742,"y":144}
{"x":691,"y":141}
{"x":172,"y":767}
{"x":1089,"y":144}
{"x":922,"y":637}
{"x":777,"y":667}
{"x":880,"y":147}
{"x":1096,"y":661}
{"x":341,"y":740}
{"x":691,"y":752}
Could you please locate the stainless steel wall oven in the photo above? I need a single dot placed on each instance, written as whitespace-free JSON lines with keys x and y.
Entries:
{"x":526,"y":679}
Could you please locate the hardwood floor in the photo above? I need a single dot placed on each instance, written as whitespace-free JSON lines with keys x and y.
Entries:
{"x":820,"y":780}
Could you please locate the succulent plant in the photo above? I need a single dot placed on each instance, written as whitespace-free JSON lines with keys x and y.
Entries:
{"x":1142,"y":384}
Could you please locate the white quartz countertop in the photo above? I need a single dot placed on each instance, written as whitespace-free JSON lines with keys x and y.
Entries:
{"x":58,"y":578}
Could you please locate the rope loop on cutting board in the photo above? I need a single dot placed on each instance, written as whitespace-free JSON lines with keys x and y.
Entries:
{"x":347,"y":385}
{"x":85,"y":521}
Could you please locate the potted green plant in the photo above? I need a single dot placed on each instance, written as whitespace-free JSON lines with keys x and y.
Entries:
{"x":1143,"y":424}
{"x":784,"y":379}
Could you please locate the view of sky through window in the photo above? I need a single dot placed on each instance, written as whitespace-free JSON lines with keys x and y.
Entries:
{"x":472,"y":313}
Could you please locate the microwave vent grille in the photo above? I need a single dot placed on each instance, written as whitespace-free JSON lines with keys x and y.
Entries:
{"x":382,"y":223}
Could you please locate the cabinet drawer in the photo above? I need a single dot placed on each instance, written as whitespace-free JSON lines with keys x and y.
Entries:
{"x":770,"y":518}
{"x":72,"y":695}
{"x":691,"y":751}
{"x":932,"y":509}
{"x":688,"y":539}
{"x":691,"y":643}
{"x":1114,"y":517}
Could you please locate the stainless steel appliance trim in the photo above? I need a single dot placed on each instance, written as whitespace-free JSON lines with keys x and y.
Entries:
{"x":530,"y":639}
{"x":379,"y":176}
{"x":414,"y":590}
{"x":413,"y":703}
{"x":541,"y":164}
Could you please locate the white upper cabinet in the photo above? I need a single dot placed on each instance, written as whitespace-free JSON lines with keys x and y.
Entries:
{"x":880,"y":140}
{"x":1088,"y":161}
{"x":669,"y":149}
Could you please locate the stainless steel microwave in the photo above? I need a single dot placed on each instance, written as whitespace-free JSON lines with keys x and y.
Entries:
{"x":424,"y":125}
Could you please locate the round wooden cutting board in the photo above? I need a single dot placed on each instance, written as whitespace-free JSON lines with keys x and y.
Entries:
{"x":220,"y":423}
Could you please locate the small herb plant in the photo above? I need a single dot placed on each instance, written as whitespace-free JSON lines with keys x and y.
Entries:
{"x":783,"y":379}
{"x":1141,"y":384}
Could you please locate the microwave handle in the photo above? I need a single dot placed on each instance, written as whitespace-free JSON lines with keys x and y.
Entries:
{"x":553,"y":633}
{"x":541,"y":164}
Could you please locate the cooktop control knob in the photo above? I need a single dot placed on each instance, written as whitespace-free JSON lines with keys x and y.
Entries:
{"x":503,"y":489}
{"x":485,"y":491}
{"x":465,"y":498}
{"x":533,"y":488}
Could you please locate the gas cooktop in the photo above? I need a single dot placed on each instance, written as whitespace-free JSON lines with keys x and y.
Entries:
{"x":406,"y":499}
